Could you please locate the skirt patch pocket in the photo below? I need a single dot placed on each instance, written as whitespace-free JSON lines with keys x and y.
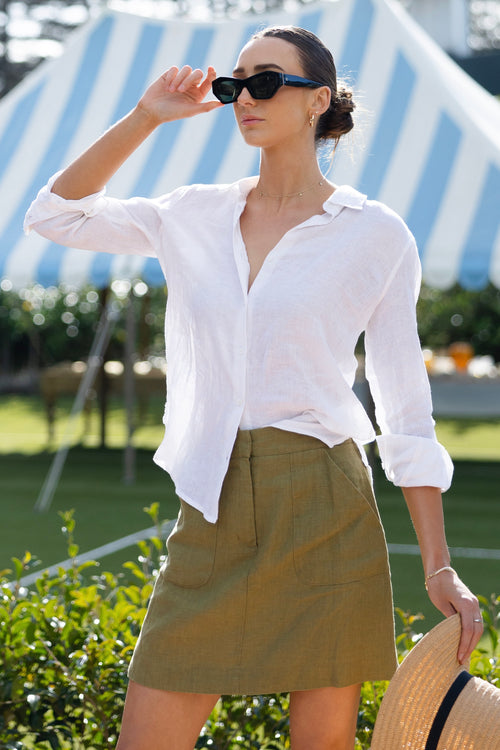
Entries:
{"x":338,"y":536}
{"x":191,"y":549}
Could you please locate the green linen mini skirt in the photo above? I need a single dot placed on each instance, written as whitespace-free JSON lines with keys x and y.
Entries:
{"x":289,"y":590}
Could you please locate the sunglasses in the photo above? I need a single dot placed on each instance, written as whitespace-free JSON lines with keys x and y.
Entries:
{"x":260,"y":86}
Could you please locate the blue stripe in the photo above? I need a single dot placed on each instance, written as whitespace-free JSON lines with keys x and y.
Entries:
{"x":393,"y":112}
{"x":151,"y":272}
{"x":434,"y":180}
{"x":475,"y":266}
{"x":164,"y":145}
{"x":139,"y":69}
{"x":61,"y":139}
{"x":16,"y":127}
{"x":356,"y":39}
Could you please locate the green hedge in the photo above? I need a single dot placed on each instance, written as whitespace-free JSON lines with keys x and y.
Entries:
{"x":65,"y":644}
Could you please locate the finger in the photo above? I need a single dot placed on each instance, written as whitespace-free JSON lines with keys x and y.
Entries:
{"x":189,"y":78}
{"x":193,"y":79}
{"x":169,"y":75}
{"x":206,"y":84}
{"x":209,"y":106}
{"x":180,"y":76}
{"x":472,"y":629}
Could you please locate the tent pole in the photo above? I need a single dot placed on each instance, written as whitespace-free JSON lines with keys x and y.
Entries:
{"x":99,"y":346}
{"x":129,"y":390}
{"x":103,"y":382}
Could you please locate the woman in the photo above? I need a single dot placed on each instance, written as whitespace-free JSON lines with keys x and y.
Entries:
{"x":278,"y":544}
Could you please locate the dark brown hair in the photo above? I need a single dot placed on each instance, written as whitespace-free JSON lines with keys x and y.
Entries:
{"x":318,"y":65}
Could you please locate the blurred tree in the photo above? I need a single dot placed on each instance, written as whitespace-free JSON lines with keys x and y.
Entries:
{"x":458,"y":315}
{"x":41,"y":326}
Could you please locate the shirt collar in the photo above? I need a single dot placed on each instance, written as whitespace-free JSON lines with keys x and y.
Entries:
{"x":344,"y":195}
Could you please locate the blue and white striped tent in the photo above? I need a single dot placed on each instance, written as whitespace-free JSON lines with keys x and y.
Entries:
{"x":428,"y":143}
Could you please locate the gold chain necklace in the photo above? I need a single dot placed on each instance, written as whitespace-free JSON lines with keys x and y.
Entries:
{"x":291,"y":195}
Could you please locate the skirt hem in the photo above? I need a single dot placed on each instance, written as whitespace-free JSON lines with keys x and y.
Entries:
{"x":379,"y":676}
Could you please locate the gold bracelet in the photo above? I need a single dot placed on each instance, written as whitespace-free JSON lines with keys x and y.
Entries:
{"x":436,"y":572}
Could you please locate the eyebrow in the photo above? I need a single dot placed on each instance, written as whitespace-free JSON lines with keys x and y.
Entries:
{"x":262,"y":66}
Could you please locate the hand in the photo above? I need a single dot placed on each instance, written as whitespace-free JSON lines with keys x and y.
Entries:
{"x":178,"y":94}
{"x":450,"y":595}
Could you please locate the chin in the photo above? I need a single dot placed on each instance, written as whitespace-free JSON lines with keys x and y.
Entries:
{"x":259,"y":140}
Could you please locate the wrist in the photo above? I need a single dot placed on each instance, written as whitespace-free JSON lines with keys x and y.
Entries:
{"x":144,"y":119}
{"x":444,"y":569}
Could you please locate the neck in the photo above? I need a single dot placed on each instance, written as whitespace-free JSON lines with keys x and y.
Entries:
{"x":282,"y":176}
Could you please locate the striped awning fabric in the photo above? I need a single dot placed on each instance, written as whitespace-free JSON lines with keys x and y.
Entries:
{"x":427,"y":141}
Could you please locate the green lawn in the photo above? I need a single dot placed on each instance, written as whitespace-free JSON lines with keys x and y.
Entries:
{"x":106,"y":508}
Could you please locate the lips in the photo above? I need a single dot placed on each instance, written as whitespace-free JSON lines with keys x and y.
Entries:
{"x":250,"y":120}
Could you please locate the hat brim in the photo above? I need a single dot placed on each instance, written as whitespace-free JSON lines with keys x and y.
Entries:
{"x":418,"y":689}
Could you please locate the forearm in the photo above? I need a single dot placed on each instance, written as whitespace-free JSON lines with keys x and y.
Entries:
{"x":426,"y":511}
{"x":174,"y":95}
{"x":90,"y":172}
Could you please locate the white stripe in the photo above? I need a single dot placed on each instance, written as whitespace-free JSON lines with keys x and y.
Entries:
{"x":475,"y":553}
{"x":22,"y":264}
{"x":446,"y":243}
{"x":333,"y":27}
{"x":75,"y":267}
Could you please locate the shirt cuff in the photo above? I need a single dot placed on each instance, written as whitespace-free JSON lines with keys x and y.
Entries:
{"x":411,"y":461}
{"x":48,"y":204}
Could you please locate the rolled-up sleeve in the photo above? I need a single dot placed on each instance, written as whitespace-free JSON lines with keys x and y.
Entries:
{"x":410,"y":453}
{"x":96,"y":222}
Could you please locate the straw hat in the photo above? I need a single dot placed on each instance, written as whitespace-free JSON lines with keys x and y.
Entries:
{"x":433,"y":703}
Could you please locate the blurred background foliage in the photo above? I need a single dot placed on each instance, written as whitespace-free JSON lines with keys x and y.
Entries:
{"x":448,"y":316}
{"x":42,"y":326}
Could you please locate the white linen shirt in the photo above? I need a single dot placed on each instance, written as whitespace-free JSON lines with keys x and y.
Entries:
{"x":282,"y":353}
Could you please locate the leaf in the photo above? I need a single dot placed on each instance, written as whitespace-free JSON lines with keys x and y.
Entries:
{"x":19,"y":567}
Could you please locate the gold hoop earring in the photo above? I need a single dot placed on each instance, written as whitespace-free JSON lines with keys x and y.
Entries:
{"x":311,"y":120}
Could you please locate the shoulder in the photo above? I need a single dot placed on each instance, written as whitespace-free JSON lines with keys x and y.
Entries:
{"x":374,"y":223}
{"x":201,"y":195}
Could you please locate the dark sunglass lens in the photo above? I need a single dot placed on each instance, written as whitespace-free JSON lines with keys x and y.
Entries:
{"x":265,"y":85}
{"x":226,"y":91}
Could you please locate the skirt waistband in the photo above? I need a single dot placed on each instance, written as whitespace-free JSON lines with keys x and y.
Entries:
{"x":271,"y":441}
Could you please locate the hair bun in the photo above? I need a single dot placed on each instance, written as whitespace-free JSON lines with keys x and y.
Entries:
{"x":344,"y":101}
{"x":337,"y":120}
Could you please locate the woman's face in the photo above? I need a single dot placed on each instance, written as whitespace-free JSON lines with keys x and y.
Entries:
{"x":269,"y":122}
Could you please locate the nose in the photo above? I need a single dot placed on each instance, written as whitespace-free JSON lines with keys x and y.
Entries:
{"x":245,"y":97}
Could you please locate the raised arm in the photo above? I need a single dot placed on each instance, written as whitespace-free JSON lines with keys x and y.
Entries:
{"x":177,"y":94}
